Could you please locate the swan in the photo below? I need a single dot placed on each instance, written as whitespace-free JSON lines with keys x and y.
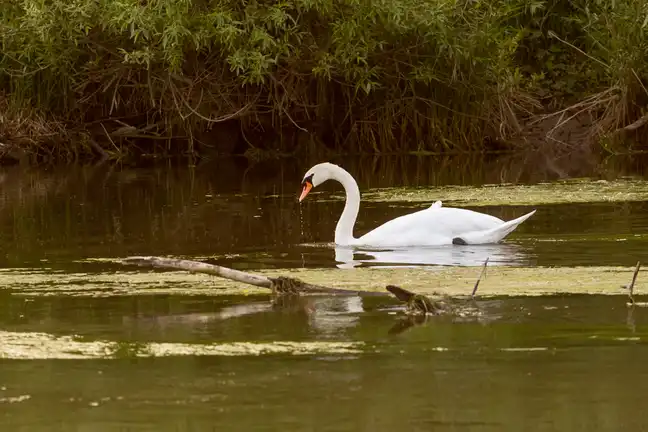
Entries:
{"x":433,"y":226}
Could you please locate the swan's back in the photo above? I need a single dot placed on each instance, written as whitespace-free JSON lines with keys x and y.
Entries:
{"x":432,"y":226}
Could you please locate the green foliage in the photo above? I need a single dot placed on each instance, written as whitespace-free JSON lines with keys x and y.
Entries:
{"x":383,"y":69}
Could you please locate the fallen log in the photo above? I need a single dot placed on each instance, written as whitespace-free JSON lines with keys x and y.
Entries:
{"x":415,"y":303}
{"x":279,"y":285}
{"x":418,"y":307}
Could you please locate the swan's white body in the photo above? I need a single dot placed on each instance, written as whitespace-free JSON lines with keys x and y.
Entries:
{"x":433,"y":226}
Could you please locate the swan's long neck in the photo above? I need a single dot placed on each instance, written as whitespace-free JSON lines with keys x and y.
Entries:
{"x":344,"y":228}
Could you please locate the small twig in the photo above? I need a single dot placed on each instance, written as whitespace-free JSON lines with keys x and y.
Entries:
{"x":561,"y":122}
{"x":479,"y":278}
{"x":553,"y":34}
{"x":218,"y":119}
{"x":285,"y":111}
{"x":631,"y":286}
{"x":640,"y":82}
{"x":110,"y":139}
{"x":293,"y":121}
{"x":637,"y":124}
{"x":590,"y":102}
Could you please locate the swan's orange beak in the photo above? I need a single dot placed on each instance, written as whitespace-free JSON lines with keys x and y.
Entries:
{"x":307,"y":187}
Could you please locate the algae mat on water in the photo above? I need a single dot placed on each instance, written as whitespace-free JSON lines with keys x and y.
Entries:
{"x":31,"y":345}
{"x":500,"y":281}
{"x":572,"y":191}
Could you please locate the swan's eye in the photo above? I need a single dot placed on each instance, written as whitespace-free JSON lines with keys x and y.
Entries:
{"x":308,"y":179}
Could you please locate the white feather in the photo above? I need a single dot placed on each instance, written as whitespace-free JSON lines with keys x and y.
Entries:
{"x":433,"y":226}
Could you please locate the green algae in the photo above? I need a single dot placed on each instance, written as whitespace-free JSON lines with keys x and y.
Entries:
{"x":499,"y":281}
{"x":561,"y":192}
{"x":32,"y":345}
{"x":46,"y":346}
{"x":48,"y":282}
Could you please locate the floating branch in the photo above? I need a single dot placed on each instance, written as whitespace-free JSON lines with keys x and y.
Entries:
{"x":279,"y":285}
{"x":416,"y":303}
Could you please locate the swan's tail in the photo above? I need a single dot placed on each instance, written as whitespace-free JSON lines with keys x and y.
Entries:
{"x":493,"y":235}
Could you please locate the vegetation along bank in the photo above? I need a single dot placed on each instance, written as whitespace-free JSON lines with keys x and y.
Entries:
{"x":116,"y":78}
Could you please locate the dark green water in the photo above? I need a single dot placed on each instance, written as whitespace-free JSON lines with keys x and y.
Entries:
{"x":558,"y":363}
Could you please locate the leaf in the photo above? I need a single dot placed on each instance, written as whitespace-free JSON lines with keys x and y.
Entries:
{"x":536,"y":6}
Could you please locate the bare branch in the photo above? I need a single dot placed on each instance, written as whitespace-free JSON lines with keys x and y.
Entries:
{"x":479,"y":278}
{"x":280,"y":285}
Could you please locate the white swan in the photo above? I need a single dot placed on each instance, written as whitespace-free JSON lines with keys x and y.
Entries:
{"x":433,"y":226}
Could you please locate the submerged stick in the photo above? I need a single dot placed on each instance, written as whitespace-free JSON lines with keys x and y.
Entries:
{"x":479,"y":278}
{"x":632,"y":283}
{"x":278,"y":285}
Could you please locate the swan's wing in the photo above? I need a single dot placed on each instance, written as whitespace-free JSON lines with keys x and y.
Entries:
{"x":493,"y":235}
{"x":436,"y":204}
{"x":435,"y":225}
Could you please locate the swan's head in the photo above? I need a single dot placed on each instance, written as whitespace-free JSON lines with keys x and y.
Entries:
{"x":316,"y":176}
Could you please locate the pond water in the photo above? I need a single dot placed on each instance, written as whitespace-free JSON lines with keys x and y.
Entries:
{"x":88,"y":344}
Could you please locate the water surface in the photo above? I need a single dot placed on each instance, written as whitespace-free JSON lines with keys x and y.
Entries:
{"x":90,"y":345}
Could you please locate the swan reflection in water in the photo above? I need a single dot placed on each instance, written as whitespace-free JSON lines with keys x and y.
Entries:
{"x":450,"y":255}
